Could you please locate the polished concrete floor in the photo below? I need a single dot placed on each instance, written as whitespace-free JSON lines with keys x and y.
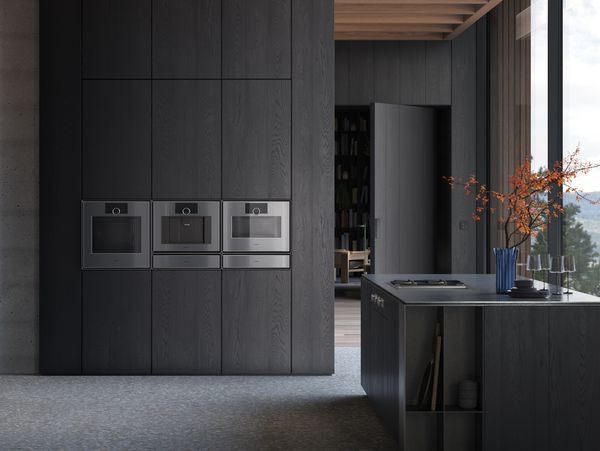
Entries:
{"x":172,"y":413}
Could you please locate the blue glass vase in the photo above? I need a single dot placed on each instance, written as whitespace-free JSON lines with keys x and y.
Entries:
{"x":506,"y":268}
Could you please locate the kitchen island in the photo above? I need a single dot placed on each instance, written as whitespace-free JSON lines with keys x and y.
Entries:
{"x":536,"y":364}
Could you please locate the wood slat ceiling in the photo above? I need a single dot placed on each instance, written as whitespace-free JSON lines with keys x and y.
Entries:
{"x":399,"y":20}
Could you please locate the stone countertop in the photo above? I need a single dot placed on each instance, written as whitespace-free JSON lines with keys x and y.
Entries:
{"x":480,"y":291}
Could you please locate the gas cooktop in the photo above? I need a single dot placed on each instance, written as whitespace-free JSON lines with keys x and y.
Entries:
{"x":427,"y":283}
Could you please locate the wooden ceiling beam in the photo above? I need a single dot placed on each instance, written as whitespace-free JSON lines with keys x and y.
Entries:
{"x":449,"y":8}
{"x":407,"y":19}
{"x":491,"y":4}
{"x":387,"y":36}
{"x":399,"y":18}
{"x":395,"y":28}
{"x":408,"y":2}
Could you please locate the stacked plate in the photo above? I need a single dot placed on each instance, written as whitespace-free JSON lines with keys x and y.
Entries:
{"x":524,"y":289}
{"x":467,"y":394}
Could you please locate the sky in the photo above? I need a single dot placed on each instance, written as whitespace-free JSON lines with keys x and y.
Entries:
{"x":581,"y":89}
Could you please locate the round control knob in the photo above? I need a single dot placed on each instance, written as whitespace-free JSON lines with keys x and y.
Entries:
{"x":256,"y":211}
{"x":186,"y":211}
{"x":116,"y":211}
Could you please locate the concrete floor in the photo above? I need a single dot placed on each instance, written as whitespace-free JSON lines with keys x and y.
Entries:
{"x":170,"y":413}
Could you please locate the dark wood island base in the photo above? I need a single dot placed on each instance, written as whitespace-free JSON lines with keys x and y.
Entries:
{"x":536,"y":365}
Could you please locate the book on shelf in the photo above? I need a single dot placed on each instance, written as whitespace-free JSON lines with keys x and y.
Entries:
{"x":427,"y":397}
{"x":436,"y":368}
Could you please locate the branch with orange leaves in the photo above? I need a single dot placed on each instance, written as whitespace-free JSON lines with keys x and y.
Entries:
{"x":533,"y":199}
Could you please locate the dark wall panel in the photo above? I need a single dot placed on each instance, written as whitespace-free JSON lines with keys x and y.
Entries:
{"x":116,"y":38}
{"x":256,"y":139}
{"x":464,"y":150}
{"x":256,"y":38}
{"x":60,"y":195}
{"x":406,"y":72}
{"x":312,"y":187}
{"x":256,"y":322}
{"x":573,"y":382}
{"x":186,"y":322}
{"x":516,"y":378}
{"x":186,"y":39}
{"x":116,"y":314}
{"x":116,"y":139}
{"x":186,"y":139}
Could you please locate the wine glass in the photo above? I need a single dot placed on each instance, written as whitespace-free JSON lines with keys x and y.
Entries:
{"x":545,"y":266}
{"x":534,"y":263}
{"x":569,"y":268}
{"x":557,"y":266}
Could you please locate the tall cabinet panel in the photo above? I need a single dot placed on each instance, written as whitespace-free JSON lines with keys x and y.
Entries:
{"x":116,"y":322}
{"x":186,"y":139}
{"x":312,"y":178}
{"x":515,"y":392}
{"x":116,"y":38}
{"x":116,"y":139}
{"x":186,"y":39}
{"x":256,"y":322}
{"x":256,"y":139}
{"x":573,"y":380}
{"x":256,"y":38}
{"x":60,"y":188}
{"x":186,"y":322}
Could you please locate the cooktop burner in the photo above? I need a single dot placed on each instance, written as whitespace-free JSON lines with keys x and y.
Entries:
{"x":427,"y":283}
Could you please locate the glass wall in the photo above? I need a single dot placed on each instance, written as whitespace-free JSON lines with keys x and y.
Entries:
{"x":581,"y":128}
{"x":539,"y":102}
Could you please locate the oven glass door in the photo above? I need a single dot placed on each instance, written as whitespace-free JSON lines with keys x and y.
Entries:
{"x":256,"y":226}
{"x":116,"y":235}
{"x":186,"y":226}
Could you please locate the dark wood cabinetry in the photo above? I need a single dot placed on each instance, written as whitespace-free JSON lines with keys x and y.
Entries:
{"x":186,"y":39}
{"x":542,"y":366}
{"x":60,"y":188}
{"x":397,"y":344}
{"x":116,"y":139}
{"x":534,"y":363}
{"x":116,"y":322}
{"x":256,"y":322}
{"x":256,"y":139}
{"x":186,"y":322}
{"x":116,"y":38}
{"x":186,"y":100}
{"x":256,"y":38}
{"x":186,"y":139}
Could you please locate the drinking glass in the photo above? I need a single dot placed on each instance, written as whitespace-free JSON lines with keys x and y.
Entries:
{"x":534,"y":263}
{"x":545,"y":266}
{"x":569,"y":268}
{"x":557,"y":266}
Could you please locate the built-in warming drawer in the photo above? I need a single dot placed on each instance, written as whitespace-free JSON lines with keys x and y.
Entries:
{"x":187,"y":261}
{"x":256,"y":261}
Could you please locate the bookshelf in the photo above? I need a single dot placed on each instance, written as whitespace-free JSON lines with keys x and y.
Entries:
{"x":352,"y":178}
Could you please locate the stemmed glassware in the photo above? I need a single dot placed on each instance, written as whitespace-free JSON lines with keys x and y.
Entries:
{"x":557,"y":266}
{"x":545,"y":264}
{"x":569,"y":267}
{"x":534,"y":263}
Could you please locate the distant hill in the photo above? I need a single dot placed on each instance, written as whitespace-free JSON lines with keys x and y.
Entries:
{"x":589,"y":215}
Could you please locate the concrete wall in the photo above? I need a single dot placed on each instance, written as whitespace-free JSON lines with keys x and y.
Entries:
{"x":18,"y":186}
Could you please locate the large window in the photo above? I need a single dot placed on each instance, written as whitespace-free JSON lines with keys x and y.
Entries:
{"x":581,"y":110}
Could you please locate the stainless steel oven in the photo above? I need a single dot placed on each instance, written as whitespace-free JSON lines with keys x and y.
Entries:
{"x":185,"y":233}
{"x":184,"y":226}
{"x":115,"y":234}
{"x":255,"y":226}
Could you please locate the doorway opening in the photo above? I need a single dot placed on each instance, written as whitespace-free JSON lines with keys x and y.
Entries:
{"x":392,"y":208}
